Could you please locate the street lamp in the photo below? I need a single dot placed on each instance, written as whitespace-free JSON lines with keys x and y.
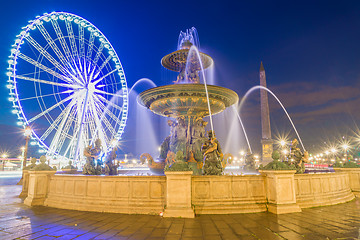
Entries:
{"x":27,"y":134}
{"x":345,"y":147}
{"x":4,"y":156}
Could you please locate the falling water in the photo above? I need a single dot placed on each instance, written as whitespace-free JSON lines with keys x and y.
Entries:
{"x":194,"y":49}
{"x":242,"y":126}
{"x":142,"y":80}
{"x":277,"y":99}
{"x":145,"y":133}
{"x":120,"y":94}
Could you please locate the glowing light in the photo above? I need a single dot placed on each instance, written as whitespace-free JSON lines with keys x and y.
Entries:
{"x":282,"y":143}
{"x":114,"y":143}
{"x":285,"y":151}
{"x":27,"y":131}
{"x":242,"y":153}
{"x":333,"y":150}
{"x":345,"y":147}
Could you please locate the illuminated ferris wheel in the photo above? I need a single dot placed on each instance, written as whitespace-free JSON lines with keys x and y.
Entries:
{"x":67,"y":82}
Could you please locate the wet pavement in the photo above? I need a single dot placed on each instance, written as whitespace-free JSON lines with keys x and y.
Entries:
{"x":18,"y":221}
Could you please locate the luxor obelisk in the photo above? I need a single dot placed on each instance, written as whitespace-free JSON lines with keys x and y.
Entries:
{"x":266,"y":141}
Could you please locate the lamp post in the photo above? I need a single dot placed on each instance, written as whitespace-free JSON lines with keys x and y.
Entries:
{"x":345,"y":147}
{"x":4,"y":156}
{"x":27,"y":134}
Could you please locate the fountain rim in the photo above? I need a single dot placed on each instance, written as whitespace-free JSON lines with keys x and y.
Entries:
{"x":192,"y":87}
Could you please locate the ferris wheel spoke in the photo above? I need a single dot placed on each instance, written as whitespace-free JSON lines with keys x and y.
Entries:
{"x":90,"y":47}
{"x":47,"y":82}
{"x":98,"y":53}
{"x":72,"y":39}
{"x":64,"y":132}
{"x":76,"y":75}
{"x":106,"y":93}
{"x":52,"y":44}
{"x":55,"y":123}
{"x":99,"y":127}
{"x":103,"y":111}
{"x":44,"y":68}
{"x":107,"y":124}
{"x":102,"y":66}
{"x":92,"y":126}
{"x":71,"y":146}
{"x":46,"y":95}
{"x":52,"y":126}
{"x":81,"y":42}
{"x":55,"y":141}
{"x":103,"y":77}
{"x":51,"y":108}
{"x":61,"y":38}
{"x":107,"y":111}
{"x":108,"y":102}
{"x":46,"y":54}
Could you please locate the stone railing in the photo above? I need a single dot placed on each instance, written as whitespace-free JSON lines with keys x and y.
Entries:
{"x":314,"y":190}
{"x":228,"y":194}
{"x":354,"y":178}
{"x":119,"y":194}
{"x":179,"y":194}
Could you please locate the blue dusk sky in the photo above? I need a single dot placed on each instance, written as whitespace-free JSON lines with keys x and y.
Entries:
{"x":310,"y":51}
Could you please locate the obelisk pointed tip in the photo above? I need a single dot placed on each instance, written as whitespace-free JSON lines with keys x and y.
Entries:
{"x":261,"y":67}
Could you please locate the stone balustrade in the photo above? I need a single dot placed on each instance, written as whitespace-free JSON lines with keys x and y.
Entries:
{"x":178,"y":194}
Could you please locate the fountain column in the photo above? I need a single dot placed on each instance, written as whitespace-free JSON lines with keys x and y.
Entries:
{"x":266,"y":141}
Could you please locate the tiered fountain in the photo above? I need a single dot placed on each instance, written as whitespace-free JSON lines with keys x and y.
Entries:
{"x":186,"y":102}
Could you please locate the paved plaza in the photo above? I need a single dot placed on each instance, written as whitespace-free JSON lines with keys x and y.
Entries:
{"x":18,"y":221}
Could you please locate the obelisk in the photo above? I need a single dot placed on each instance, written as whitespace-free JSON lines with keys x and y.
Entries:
{"x":266,"y":141}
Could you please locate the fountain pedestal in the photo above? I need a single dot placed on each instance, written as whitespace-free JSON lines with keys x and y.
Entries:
{"x":280,"y":191}
{"x":38,"y":187}
{"x":25,"y":184}
{"x":178,"y":194}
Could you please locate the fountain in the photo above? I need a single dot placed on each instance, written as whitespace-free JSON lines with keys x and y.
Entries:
{"x":186,"y":103}
{"x":188,"y":147}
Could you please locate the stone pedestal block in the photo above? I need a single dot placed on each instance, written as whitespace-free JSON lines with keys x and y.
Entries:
{"x":354,"y":178}
{"x":38,"y":187}
{"x":25,"y":184}
{"x":280,"y":191}
{"x":178,"y":194}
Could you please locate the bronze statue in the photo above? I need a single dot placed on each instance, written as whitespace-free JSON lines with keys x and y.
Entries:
{"x":249,"y":162}
{"x":110,"y":166}
{"x":92,"y":153}
{"x":297,"y":158}
{"x":212,"y":156}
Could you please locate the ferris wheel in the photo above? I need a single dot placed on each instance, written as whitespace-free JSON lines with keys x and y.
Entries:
{"x":66,"y":81}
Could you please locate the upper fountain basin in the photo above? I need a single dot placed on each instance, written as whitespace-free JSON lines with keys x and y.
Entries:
{"x":187,"y":100}
{"x":176,"y":61}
